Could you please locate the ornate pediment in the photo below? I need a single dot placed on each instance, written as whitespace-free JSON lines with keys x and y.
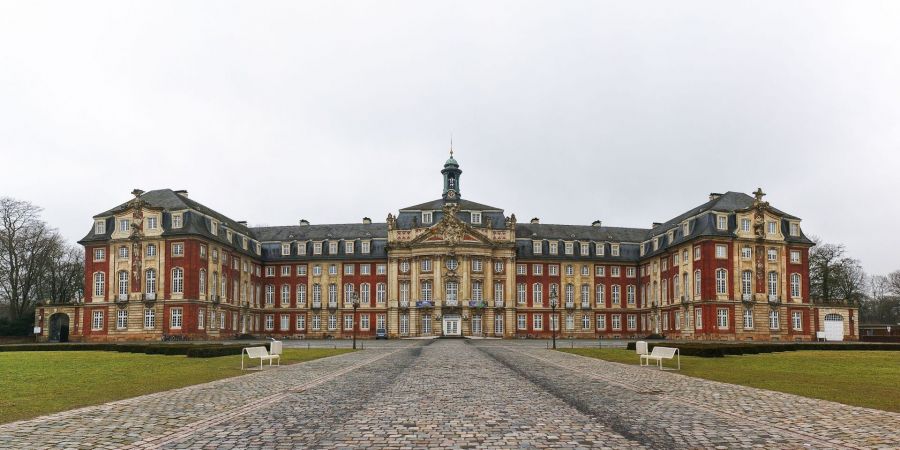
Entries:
{"x":451,"y":231}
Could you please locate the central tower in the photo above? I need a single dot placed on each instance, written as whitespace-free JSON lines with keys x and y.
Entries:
{"x":451,"y":174}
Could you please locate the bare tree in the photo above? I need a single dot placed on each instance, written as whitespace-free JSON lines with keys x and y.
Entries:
{"x":849,"y":281}
{"x":64,"y":280}
{"x":27,"y":247}
{"x":824,"y":260}
{"x":893,"y":282}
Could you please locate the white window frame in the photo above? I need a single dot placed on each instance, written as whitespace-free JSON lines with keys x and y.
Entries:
{"x":476,"y":218}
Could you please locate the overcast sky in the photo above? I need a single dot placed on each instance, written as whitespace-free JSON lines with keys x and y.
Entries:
{"x":628,"y":112}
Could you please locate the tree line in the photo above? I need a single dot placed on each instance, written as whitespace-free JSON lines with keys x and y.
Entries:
{"x":36,"y":265}
{"x":835,"y":277}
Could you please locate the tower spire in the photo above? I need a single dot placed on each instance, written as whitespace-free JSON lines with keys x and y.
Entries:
{"x":451,"y":145}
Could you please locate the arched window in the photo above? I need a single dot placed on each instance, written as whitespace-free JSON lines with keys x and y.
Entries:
{"x":348,"y":291}
{"x":99,"y":284}
{"x":747,"y":283}
{"x":123,"y":282}
{"x":365,"y":293}
{"x":301,"y":294}
{"x":150,"y":281}
{"x":697,"y":283}
{"x":773,"y":284}
{"x":795,"y":285}
{"x":721,"y":281}
{"x":178,"y":280}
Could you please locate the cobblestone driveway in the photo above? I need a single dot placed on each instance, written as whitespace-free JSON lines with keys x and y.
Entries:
{"x":460,"y":394}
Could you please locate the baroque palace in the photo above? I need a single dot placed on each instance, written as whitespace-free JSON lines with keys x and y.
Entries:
{"x":164,"y":265}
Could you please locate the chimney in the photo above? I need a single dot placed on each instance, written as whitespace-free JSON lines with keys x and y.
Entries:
{"x":367,"y":220}
{"x":535,"y":221}
{"x":597,"y":223}
{"x":304,"y":222}
{"x":182,"y":193}
{"x":242,"y":222}
{"x":656,"y":224}
{"x":714,"y":195}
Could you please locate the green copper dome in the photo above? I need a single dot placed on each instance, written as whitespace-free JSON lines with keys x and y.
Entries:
{"x":451,"y":162}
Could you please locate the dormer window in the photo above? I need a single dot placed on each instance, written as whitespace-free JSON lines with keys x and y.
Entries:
{"x":600,"y":248}
{"x":317,"y":248}
{"x":258,"y":248}
{"x":554,"y":248}
{"x":177,"y":220}
{"x":476,"y":217}
{"x":745,"y":224}
{"x":301,"y":248}
{"x":772,"y":227}
{"x":365,"y":247}
{"x":100,"y":227}
{"x":426,"y":216}
{"x":285,"y":249}
{"x":685,"y":229}
{"x":228,"y":235}
{"x":656,"y":243}
{"x":348,"y":247}
{"x":671,"y":236}
{"x":332,"y":248}
{"x":722,"y":222}
{"x":795,"y":229}
{"x":570,"y":248}
{"x":536,"y":247}
{"x":124,"y":225}
{"x":615,"y":250}
{"x":585,"y":249}
{"x":214,"y":228}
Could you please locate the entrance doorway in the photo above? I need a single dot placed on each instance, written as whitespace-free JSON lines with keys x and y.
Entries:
{"x":834,"y":327}
{"x":59,"y":327}
{"x":452,"y":325}
{"x":476,"y":325}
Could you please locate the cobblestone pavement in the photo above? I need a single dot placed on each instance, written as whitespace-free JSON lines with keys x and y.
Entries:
{"x":460,"y":394}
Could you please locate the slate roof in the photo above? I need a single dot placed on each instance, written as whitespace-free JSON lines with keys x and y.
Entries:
{"x":580,"y":233}
{"x":463,"y":205}
{"x":321,"y":232}
{"x":169,"y":200}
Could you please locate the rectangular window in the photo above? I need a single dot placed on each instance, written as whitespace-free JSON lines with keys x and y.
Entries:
{"x":364,"y":322}
{"x":600,"y":271}
{"x":721,"y":251}
{"x":201,"y":316}
{"x":536,"y":247}
{"x":774,"y":320}
{"x":301,"y":322}
{"x":601,"y":321}
{"x":348,"y":321}
{"x":176,"y":221}
{"x":178,"y":249}
{"x":152,"y":223}
{"x":97,"y":322}
{"x":615,"y":250}
{"x":745,"y":224}
{"x":348,"y":269}
{"x":521,"y":269}
{"x":285,"y":322}
{"x":477,"y":265}
{"x":537,"y":269}
{"x":600,"y":248}
{"x":317,"y":248}
{"x":332,"y":322}
{"x":746,"y":253}
{"x":616,"y":321}
{"x":317,"y":270}
{"x":285,"y":249}
{"x":270,"y":271}
{"x":333,"y":248}
{"x":585,"y":249}
{"x":772,"y":255}
{"x":554,"y":248}
{"x":795,"y":256}
{"x":795,"y":229}
{"x":426,"y":216}
{"x":348,"y":247}
{"x":614,"y":271}
{"x":124,"y":225}
{"x":301,"y":269}
{"x":797,"y":320}
{"x":554,"y":270}
{"x":632,"y":322}
{"x":175,"y":318}
{"x":380,"y":269}
{"x":696,"y":253}
{"x":698,"y":318}
{"x":630,"y":272}
{"x":122,"y":319}
{"x":270,"y":321}
{"x":365,"y":247}
{"x":100,"y":227}
{"x":570,"y":248}
{"x":332,"y":269}
{"x":722,"y":222}
{"x":365,"y":269}
{"x":149,"y":318}
{"x":404,"y":324}
{"x":380,"y":321}
{"x":476,"y":217}
{"x":748,"y":319}
{"x":537,"y":322}
{"x":99,"y":254}
{"x":772,"y":227}
{"x":285,"y":271}
{"x":722,"y":318}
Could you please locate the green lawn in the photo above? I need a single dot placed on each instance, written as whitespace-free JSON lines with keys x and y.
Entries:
{"x":38,"y":383}
{"x":861,"y":378}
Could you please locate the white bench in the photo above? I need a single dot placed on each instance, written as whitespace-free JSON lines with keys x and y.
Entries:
{"x":259,"y":353}
{"x":660,"y":353}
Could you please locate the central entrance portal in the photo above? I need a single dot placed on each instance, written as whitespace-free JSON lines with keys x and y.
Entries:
{"x":452,"y":325}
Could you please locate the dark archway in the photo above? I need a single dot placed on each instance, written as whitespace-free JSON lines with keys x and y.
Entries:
{"x":59,"y":327}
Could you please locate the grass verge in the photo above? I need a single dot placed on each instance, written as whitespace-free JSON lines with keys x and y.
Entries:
{"x":38,"y":383}
{"x":860,"y":378}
